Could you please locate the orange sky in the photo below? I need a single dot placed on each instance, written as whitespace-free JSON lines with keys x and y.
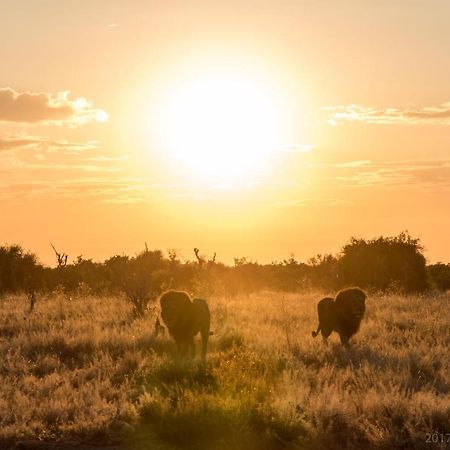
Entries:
{"x":246,"y":128}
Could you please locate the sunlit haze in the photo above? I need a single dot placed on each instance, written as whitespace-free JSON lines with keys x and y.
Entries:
{"x":255,"y":129}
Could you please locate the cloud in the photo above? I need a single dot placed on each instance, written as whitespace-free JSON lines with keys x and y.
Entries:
{"x":418,"y":174}
{"x":311,"y":202}
{"x":45,"y":108}
{"x":55,"y":158}
{"x":45,"y":144}
{"x":99,"y":188}
{"x":357,"y":163}
{"x":60,"y":168}
{"x":108,"y":158}
{"x":439,"y":115}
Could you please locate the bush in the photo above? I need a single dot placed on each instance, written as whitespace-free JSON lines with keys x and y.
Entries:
{"x":384,"y":263}
{"x":19,"y":270}
{"x":439,"y":276}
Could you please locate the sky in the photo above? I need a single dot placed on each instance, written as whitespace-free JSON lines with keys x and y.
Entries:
{"x":247,"y":128}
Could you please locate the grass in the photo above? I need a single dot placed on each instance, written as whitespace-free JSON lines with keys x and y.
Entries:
{"x":85,"y":370}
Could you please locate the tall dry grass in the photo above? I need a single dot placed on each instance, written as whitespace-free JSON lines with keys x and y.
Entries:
{"x":86,"y":370}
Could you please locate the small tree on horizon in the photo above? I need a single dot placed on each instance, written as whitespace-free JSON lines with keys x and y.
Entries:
{"x":19,"y":270}
{"x":384,"y":263}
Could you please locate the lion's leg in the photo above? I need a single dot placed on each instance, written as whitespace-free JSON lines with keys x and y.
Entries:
{"x":183,"y":347}
{"x":344,"y":340}
{"x":326,"y":331}
{"x":191,"y":345}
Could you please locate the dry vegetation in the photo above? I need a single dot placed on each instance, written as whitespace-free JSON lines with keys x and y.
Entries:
{"x":85,"y":370}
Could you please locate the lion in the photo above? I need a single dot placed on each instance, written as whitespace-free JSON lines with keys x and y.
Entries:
{"x":342,"y":314}
{"x":184,"y":318}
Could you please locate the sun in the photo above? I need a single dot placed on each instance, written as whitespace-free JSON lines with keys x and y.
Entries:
{"x":222,"y":127}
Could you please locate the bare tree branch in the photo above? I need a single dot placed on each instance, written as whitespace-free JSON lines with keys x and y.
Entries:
{"x":61,"y":258}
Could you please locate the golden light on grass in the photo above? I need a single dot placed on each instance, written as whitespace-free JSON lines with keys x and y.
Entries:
{"x":222,"y":126}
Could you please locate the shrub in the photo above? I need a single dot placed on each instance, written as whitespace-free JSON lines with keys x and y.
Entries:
{"x":384,"y":263}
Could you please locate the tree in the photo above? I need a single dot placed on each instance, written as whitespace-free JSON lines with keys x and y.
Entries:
{"x":384,"y":263}
{"x":144,"y":278}
{"x":439,"y":276}
{"x":19,"y":270}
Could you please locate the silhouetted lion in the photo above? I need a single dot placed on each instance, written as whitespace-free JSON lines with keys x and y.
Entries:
{"x":184,"y":319}
{"x":342,"y":314}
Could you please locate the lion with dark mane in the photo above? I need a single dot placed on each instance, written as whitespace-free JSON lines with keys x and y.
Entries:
{"x":342,"y":314}
{"x":184,"y":318}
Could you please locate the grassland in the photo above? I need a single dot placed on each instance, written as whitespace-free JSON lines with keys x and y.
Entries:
{"x":84,"y":370}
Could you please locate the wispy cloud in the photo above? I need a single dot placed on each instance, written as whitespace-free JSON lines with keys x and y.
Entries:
{"x":98,"y":188}
{"x":356,"y":163}
{"x":29,"y":157}
{"x":346,"y":184}
{"x":310,"y":202}
{"x":45,"y":144}
{"x":103,"y":158}
{"x":45,"y":108}
{"x":422,"y":174}
{"x":67,"y":167}
{"x":439,"y":114}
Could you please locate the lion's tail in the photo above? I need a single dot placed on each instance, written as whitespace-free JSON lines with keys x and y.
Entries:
{"x":315,"y":333}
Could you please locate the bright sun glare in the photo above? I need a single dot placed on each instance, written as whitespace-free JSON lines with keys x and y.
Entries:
{"x":222,"y":127}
